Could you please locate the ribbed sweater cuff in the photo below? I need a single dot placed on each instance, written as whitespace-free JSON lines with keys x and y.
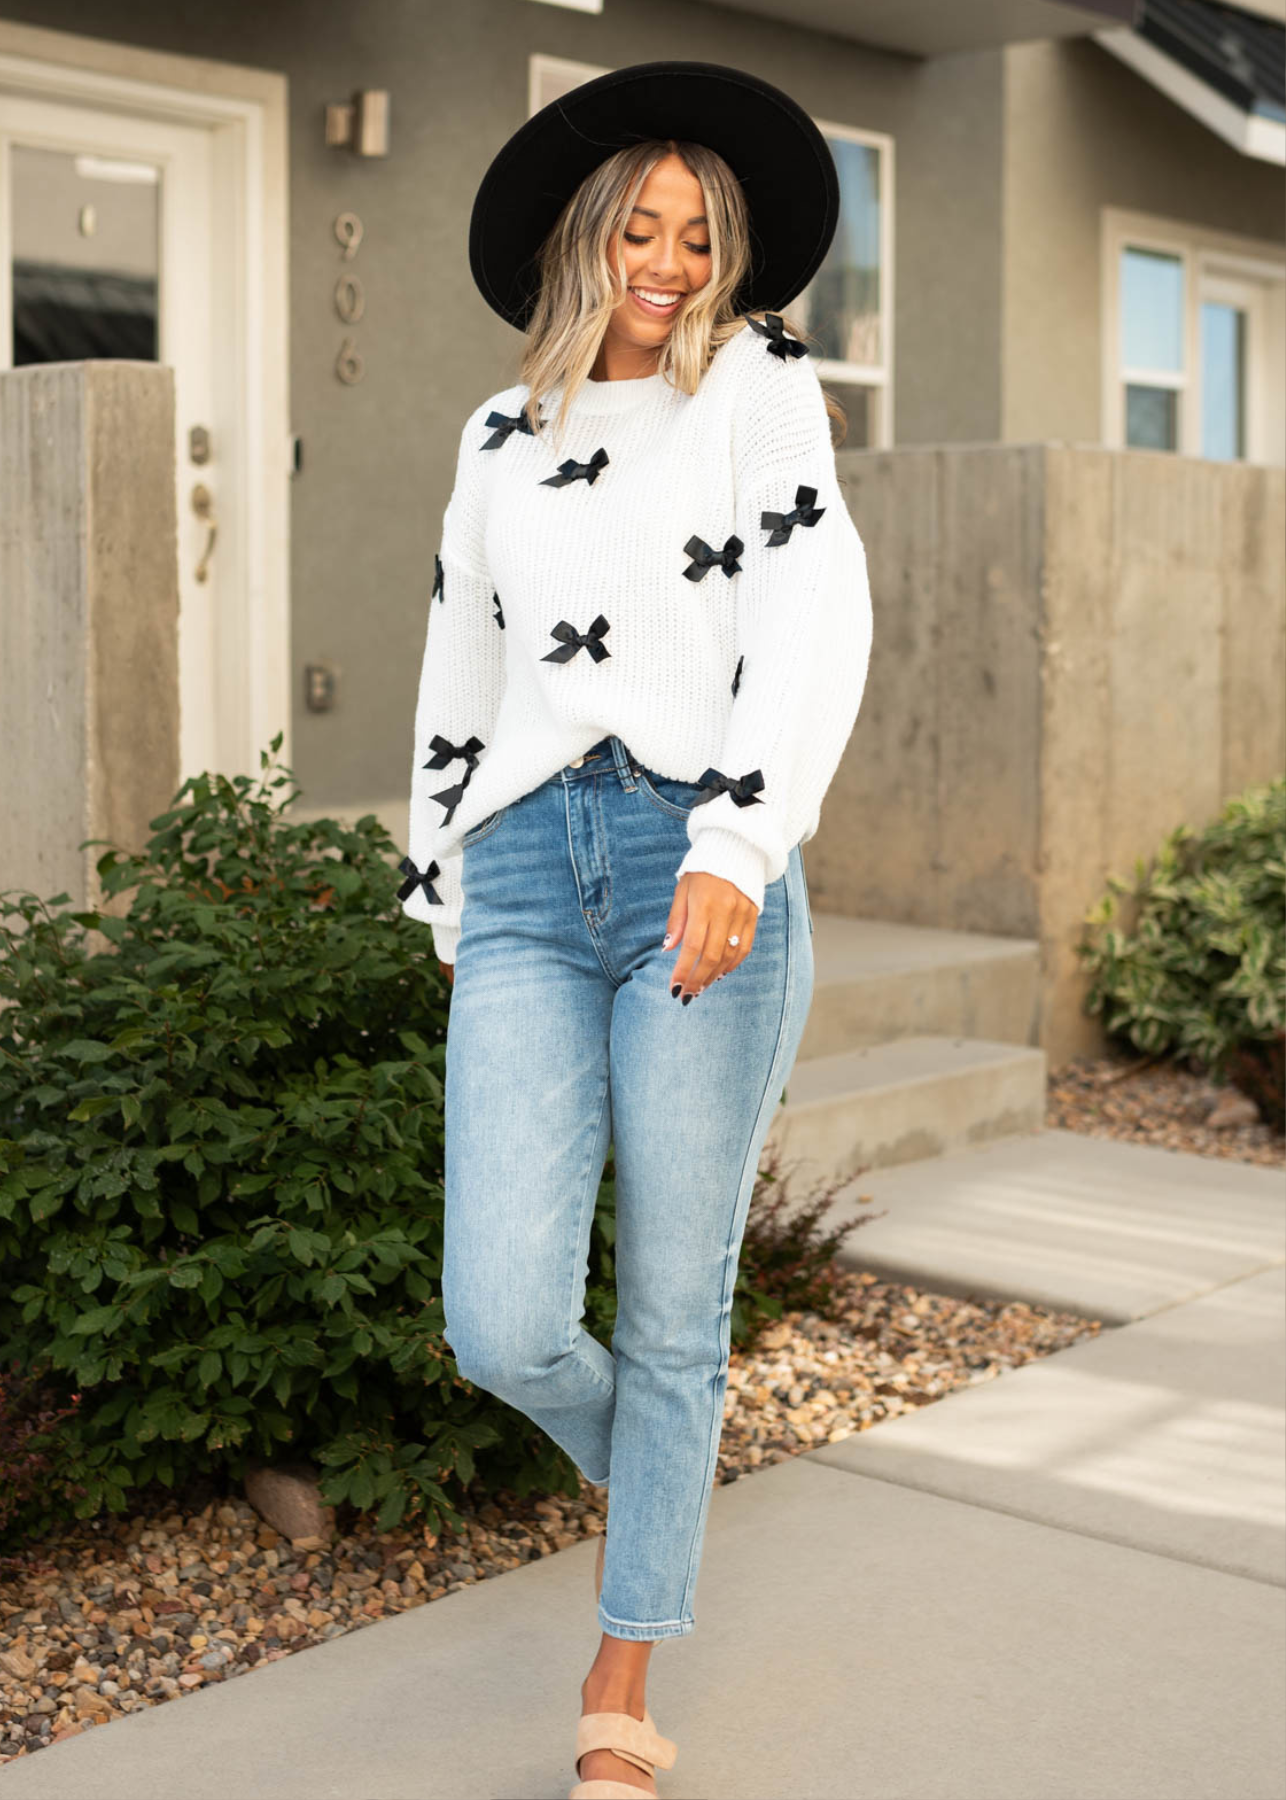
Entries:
{"x":445,"y":940}
{"x":726,"y":853}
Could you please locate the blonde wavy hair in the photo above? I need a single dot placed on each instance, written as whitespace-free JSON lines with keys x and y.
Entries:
{"x":582,"y":279}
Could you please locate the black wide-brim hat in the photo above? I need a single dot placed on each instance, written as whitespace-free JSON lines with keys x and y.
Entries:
{"x":779,"y":156}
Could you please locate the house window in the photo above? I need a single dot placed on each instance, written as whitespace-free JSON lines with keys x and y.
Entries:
{"x":847,"y":307}
{"x":1196,"y":343}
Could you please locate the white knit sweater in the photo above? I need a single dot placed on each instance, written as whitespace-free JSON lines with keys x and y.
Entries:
{"x":709,"y":657}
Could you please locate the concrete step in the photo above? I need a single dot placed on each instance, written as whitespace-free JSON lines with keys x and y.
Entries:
{"x":903,"y":1101}
{"x":1090,"y":1225}
{"x":1167,"y":1434}
{"x":875,"y":979}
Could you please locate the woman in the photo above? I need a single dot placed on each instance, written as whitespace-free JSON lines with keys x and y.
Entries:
{"x":647,"y":646}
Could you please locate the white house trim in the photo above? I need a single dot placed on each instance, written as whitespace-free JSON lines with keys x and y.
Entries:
{"x":1251,"y":133}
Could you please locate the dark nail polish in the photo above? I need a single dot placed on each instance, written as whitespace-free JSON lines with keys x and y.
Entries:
{"x":688,"y":997}
{"x":674,"y":990}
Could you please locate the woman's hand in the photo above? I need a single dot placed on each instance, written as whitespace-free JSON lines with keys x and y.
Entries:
{"x":448,"y":969}
{"x":705,"y":913}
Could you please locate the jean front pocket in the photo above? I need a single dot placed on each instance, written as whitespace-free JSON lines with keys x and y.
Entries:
{"x":667,"y":794}
{"x":483,"y":828}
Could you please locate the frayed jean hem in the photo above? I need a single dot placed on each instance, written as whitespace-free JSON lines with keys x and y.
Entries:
{"x":644,"y":1633}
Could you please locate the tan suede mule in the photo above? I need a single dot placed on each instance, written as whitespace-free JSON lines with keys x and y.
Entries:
{"x":636,"y":1740}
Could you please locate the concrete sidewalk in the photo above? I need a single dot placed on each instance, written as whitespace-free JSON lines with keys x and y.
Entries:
{"x":1062,"y":1585}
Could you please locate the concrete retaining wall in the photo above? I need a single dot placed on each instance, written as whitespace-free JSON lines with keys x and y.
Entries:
{"x":89,"y":613}
{"x":1075,"y":650}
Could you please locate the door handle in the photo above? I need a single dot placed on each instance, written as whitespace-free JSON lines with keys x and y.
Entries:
{"x":203,"y":507}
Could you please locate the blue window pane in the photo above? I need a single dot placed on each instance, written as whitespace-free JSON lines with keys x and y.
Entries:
{"x":1151,"y":418}
{"x":1223,"y":381}
{"x":1151,"y":311}
{"x":841,"y":305}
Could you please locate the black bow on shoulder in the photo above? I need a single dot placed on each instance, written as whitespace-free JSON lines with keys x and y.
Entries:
{"x":571,"y":470}
{"x":573,"y":640}
{"x":439,"y":589}
{"x":444,"y":751}
{"x":420,"y":878}
{"x":778,"y":343}
{"x":504,"y":425}
{"x":783,"y":524}
{"x":704,"y":558}
{"x":744,"y":790}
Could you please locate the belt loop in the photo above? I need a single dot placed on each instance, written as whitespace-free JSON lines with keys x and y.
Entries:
{"x":621,"y":756}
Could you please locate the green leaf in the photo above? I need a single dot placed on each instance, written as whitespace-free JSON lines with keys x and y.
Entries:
{"x":87,"y":1050}
{"x":394,"y":1506}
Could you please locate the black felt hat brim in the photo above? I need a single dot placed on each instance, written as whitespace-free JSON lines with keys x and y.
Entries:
{"x":779,"y":156}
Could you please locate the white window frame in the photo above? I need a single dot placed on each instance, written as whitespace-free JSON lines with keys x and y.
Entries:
{"x":1209,"y":260}
{"x":876,"y":376}
{"x":547,"y":73}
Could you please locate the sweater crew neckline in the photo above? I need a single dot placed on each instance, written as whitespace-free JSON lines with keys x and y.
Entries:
{"x":618,"y":396}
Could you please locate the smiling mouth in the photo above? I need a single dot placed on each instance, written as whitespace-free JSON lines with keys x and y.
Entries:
{"x":659,"y":308}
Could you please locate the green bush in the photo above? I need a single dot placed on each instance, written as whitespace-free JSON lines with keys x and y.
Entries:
{"x":221,"y":1123}
{"x":1198,"y":971}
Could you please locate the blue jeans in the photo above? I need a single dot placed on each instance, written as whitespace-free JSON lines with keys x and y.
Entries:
{"x":563,"y":1039}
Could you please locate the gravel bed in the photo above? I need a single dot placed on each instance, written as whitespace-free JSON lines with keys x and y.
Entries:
{"x":128,"y":1612}
{"x":1147,"y":1102}
{"x":133,"y":1611}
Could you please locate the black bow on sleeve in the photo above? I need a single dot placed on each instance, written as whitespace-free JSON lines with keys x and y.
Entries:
{"x":444,"y":751}
{"x":573,"y":640}
{"x":439,"y":588}
{"x":736,"y":679}
{"x":504,"y":425}
{"x":805,"y":513}
{"x":744,"y":789}
{"x":704,"y":558}
{"x":499,"y":614}
{"x":417,"y":878}
{"x":574,"y":471}
{"x":775,"y":331}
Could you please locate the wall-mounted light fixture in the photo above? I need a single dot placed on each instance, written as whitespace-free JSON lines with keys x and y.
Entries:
{"x":360,"y":123}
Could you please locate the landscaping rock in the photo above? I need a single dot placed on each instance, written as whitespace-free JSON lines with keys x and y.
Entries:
{"x":285,"y":1496}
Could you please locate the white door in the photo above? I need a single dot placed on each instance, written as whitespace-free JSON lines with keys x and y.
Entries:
{"x":123,"y":234}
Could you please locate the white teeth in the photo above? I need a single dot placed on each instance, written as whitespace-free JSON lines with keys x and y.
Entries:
{"x":658,"y":299}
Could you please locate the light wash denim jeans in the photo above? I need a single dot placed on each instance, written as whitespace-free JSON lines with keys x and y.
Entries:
{"x":563,"y":1039}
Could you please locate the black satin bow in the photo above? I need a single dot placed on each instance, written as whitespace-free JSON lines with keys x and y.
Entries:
{"x":573,"y":640}
{"x":744,"y":789}
{"x":783,"y":524}
{"x":504,"y":425}
{"x":499,"y":614}
{"x":439,"y":590}
{"x":417,"y":878}
{"x":736,"y":679}
{"x":444,"y":751}
{"x":573,"y":471}
{"x":778,"y":343}
{"x":704,"y":558}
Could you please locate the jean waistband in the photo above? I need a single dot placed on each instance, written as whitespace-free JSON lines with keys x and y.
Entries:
{"x":608,"y":754}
